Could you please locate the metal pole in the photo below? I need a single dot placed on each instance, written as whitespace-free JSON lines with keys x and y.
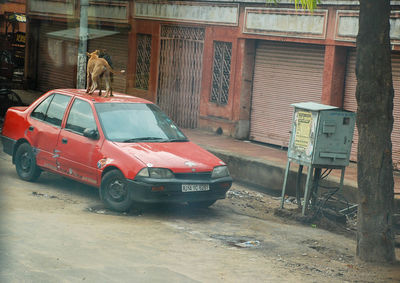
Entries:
{"x":298,"y":182}
{"x":342,"y":179}
{"x":284,"y":183}
{"x":82,"y":49}
{"x":314,"y":191}
{"x":307,"y":189}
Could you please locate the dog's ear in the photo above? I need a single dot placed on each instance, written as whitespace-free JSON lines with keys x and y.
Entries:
{"x":88,"y":54}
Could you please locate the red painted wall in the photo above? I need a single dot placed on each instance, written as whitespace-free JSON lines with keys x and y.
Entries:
{"x":226,"y":117}
{"x":224,"y":114}
{"x":144,"y":27}
{"x":210,"y":111}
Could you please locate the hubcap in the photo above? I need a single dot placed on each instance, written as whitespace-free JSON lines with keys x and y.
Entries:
{"x":117,"y":190}
{"x":25,"y":161}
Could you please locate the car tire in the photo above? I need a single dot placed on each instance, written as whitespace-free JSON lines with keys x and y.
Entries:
{"x":25,"y":163}
{"x":201,"y":204}
{"x":114,"y":191}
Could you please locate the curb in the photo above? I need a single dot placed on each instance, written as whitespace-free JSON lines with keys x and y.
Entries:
{"x":268,"y":176}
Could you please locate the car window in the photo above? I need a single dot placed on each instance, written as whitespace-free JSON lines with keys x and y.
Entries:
{"x":80,"y":117}
{"x":56,"y":110}
{"x":41,"y":110}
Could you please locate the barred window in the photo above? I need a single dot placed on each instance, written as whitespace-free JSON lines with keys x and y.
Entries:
{"x":143,"y":61}
{"x":221,"y":72}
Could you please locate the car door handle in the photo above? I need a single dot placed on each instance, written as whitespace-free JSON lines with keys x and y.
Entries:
{"x":31,"y":128}
{"x":64,"y":140}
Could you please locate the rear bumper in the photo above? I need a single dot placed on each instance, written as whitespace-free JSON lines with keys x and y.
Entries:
{"x":156,"y":191}
{"x":8,"y":144}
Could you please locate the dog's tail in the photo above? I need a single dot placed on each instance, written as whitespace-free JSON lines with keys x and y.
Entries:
{"x":115,"y":72}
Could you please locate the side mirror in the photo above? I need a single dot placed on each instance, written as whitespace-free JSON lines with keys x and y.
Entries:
{"x":91,"y":134}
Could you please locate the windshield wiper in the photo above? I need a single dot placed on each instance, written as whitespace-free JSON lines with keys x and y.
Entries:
{"x":177,"y":140}
{"x":143,"y":139}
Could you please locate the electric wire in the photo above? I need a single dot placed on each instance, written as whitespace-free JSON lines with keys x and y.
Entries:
{"x":332,"y":194}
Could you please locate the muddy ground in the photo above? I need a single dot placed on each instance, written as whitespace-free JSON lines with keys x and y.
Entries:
{"x":57,"y":230}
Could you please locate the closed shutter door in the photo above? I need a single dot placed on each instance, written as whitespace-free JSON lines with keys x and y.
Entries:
{"x":284,"y":74}
{"x":116,"y":46}
{"x":350,"y":102}
{"x":396,"y":109}
{"x":57,"y":59}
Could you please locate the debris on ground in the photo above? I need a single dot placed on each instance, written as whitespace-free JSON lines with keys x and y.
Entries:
{"x":245,"y":195}
{"x":43,"y":195}
{"x":63,"y":198}
{"x":262,"y":205}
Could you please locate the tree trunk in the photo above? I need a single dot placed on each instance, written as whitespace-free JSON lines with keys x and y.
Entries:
{"x":375,"y":236}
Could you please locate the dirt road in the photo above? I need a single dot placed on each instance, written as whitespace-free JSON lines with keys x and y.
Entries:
{"x":57,"y":230}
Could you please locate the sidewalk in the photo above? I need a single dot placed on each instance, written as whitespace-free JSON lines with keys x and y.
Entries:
{"x":258,"y":165}
{"x":264,"y":166}
{"x":28,"y":96}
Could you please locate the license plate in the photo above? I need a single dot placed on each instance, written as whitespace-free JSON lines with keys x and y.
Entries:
{"x":195,"y":188}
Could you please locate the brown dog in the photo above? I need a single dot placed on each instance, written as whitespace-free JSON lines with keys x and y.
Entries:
{"x":96,"y":69}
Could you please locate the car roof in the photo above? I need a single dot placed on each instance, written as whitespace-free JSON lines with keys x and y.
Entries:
{"x":117,"y":97}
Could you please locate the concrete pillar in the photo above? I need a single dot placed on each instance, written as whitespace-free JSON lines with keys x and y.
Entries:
{"x":247,"y":68}
{"x":334,"y":75}
{"x":82,"y":49}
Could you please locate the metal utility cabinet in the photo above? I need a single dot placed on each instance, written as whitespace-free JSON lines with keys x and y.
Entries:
{"x":321,"y":137}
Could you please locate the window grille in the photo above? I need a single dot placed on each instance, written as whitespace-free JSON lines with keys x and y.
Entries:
{"x":221,"y":72}
{"x":143,"y":61}
{"x":186,"y":33}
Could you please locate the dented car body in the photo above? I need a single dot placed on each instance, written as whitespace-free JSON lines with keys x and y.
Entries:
{"x":125,"y":146}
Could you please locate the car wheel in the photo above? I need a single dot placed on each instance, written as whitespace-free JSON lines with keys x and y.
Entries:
{"x":25,"y":163}
{"x":201,"y":204}
{"x":114,"y":191}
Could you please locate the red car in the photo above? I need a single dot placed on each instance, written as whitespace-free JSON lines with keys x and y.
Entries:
{"x":125,"y":146}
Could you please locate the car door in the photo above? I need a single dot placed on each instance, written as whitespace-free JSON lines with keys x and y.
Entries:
{"x":79,"y":154}
{"x":44,"y":127}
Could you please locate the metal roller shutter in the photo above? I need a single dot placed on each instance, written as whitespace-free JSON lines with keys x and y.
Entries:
{"x":396,"y":109}
{"x":350,"y":102}
{"x":117,"y":47}
{"x":57,"y":59}
{"x":284,"y":73}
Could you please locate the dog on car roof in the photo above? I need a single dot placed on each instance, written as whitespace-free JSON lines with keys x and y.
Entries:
{"x":103,"y":54}
{"x":97,"y":68}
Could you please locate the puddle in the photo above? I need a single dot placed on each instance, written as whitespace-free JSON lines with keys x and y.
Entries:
{"x":239,"y":242}
{"x":102,"y":210}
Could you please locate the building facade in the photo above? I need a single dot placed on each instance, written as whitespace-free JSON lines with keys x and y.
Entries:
{"x":232,"y":67}
{"x":12,"y":42}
